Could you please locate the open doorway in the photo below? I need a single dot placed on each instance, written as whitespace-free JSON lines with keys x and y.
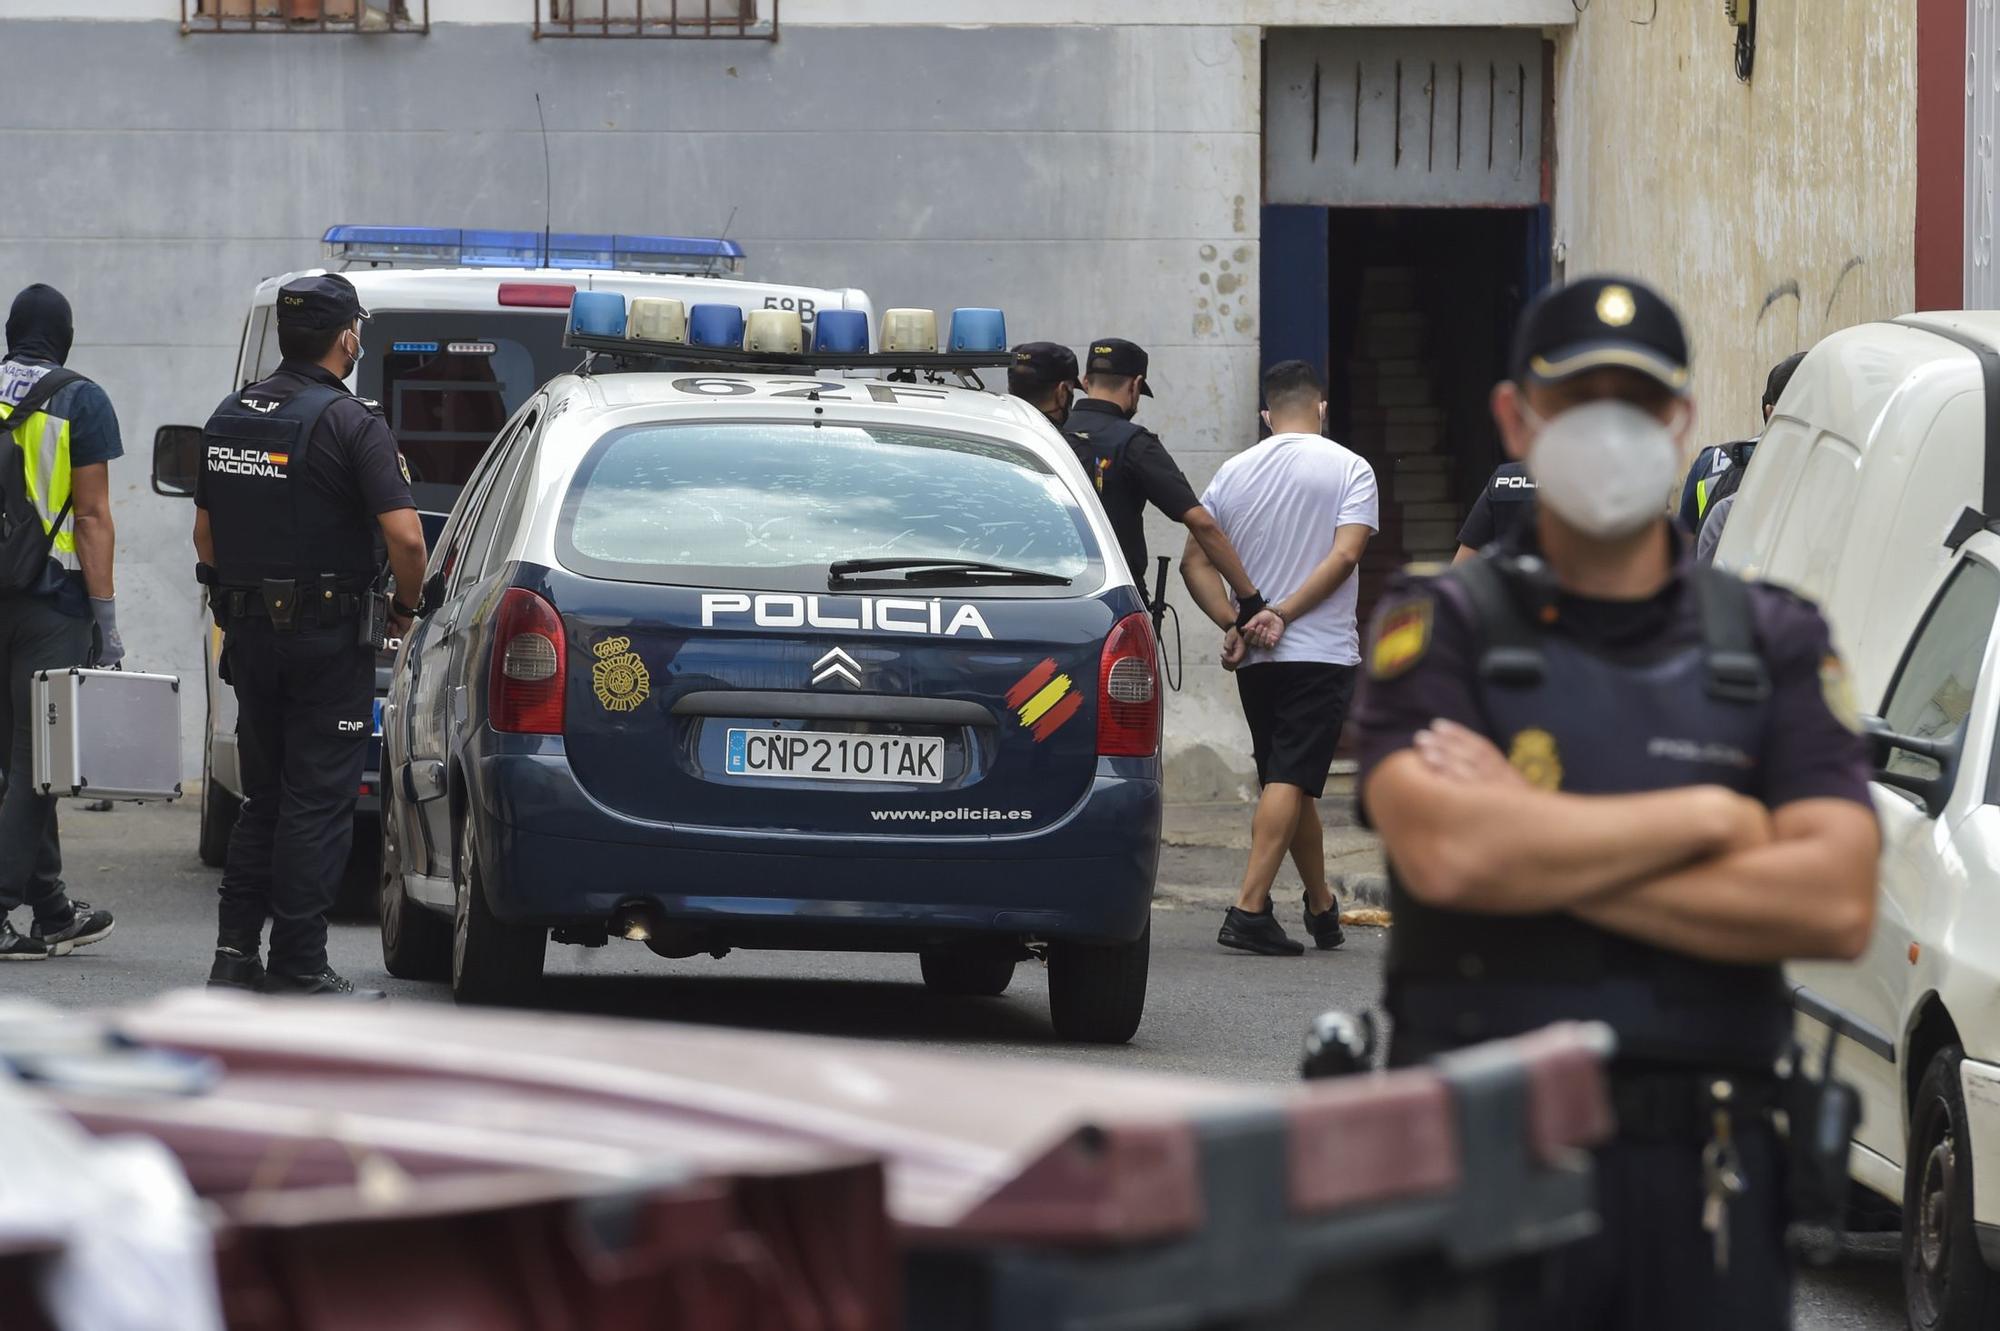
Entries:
{"x":1410,"y":312}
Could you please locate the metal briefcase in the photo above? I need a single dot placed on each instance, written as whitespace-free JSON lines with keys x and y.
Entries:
{"x":108,"y":734}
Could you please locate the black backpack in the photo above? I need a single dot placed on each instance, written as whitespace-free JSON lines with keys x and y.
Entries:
{"x":24,"y":543}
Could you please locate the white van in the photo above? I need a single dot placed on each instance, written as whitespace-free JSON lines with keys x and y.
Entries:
{"x":461,"y":335}
{"x":1870,"y":494}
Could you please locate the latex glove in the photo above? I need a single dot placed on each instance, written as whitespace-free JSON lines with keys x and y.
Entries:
{"x":110,"y":647}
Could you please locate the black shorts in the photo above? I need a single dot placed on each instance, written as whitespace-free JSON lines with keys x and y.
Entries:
{"x":1295,"y":710}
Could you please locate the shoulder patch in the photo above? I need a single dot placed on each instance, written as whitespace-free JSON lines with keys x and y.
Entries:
{"x":1402,"y":635}
{"x":403,"y":465}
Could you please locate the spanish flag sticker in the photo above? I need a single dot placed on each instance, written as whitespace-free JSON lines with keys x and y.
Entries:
{"x":1402,"y":636}
{"x":1043,"y":700}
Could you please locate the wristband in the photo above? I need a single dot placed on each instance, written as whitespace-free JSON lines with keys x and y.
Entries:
{"x":1248,"y":608}
{"x":402,"y":610}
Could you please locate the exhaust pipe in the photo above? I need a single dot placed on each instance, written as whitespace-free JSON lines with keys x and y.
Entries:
{"x":634,"y":923}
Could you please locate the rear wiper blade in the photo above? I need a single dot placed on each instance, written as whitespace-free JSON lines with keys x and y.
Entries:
{"x":935,"y":572}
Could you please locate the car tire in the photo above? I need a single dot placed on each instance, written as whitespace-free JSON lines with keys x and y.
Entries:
{"x":1097,"y":993}
{"x":967,"y":972}
{"x":492,"y":961}
{"x":416,"y":941}
{"x":219,"y":809}
{"x":1946,"y":1284}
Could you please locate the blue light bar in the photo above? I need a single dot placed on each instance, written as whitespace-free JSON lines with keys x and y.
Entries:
{"x":716,"y":326}
{"x":436,"y":246}
{"x":840,"y":332}
{"x":975,"y":329}
{"x":600,"y":314}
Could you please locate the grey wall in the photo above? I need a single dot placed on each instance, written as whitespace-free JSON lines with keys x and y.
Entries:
{"x":1090,"y":181}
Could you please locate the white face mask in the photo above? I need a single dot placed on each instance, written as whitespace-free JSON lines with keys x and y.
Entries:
{"x":1604,"y":468}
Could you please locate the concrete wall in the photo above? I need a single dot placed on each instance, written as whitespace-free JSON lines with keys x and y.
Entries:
{"x":1773,"y":212}
{"x":1086,"y":179}
{"x":937,"y":13}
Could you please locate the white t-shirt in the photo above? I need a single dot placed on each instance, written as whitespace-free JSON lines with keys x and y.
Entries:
{"x":1280,"y":504}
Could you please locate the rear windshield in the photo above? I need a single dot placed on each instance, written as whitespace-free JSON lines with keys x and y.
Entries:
{"x":772,"y":504}
{"x":448,"y":381}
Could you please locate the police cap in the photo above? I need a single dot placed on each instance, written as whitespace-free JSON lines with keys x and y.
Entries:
{"x":1598,"y":323}
{"x":1043,"y":363}
{"x":1114,"y":355}
{"x":318,"y":303}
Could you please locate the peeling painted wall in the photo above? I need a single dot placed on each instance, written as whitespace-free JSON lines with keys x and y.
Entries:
{"x":1772,"y":212}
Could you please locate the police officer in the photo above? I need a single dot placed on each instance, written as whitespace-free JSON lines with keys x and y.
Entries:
{"x":1044,"y":376}
{"x":1505,"y":506}
{"x":1616,"y":787}
{"x":1130,"y":467}
{"x":298,"y":477}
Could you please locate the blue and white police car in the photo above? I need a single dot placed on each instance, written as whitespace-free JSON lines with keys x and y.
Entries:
{"x":467,"y":325}
{"x":724,"y":647}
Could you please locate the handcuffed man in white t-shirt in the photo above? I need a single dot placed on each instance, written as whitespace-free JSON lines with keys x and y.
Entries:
{"x":1299,"y":509}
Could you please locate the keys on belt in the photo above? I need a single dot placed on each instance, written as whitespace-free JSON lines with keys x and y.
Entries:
{"x":1721,"y":1170}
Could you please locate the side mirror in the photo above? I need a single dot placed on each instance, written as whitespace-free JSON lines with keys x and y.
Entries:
{"x":433,"y":593}
{"x":1931,"y":791}
{"x":176,"y":460}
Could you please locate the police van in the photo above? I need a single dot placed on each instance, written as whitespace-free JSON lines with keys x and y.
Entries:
{"x":1876,"y":492}
{"x":726,"y":647}
{"x":466,"y":326}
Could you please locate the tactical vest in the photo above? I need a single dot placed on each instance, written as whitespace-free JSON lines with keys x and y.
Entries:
{"x":266,"y":521}
{"x":1100,"y":440}
{"x":1101,"y":447}
{"x":1577,"y":721}
{"x":43,"y":437}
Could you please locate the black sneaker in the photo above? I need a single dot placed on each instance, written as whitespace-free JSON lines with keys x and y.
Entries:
{"x":236,"y":969}
{"x":1325,"y":929}
{"x":17,"y":946}
{"x":327,"y":984}
{"x":1260,"y":933}
{"x":84,"y":927}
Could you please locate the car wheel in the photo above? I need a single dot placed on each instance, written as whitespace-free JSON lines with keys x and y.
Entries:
{"x":416,"y":942}
{"x":1945,"y":1281}
{"x":491,"y":961}
{"x":967,"y":971}
{"x":1098,"y":993}
{"x":218,"y":816}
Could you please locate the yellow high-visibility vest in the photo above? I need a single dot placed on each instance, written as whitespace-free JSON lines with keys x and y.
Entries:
{"x":43,"y":439}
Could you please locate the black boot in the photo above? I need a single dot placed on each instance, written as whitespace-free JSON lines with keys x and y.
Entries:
{"x":237,"y":968}
{"x":327,"y":984}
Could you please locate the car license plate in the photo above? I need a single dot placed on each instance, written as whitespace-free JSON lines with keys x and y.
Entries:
{"x":816,"y":755}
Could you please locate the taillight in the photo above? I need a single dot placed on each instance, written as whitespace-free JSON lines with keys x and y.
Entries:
{"x":530,"y":666}
{"x":537,"y":295}
{"x":1128,"y":692}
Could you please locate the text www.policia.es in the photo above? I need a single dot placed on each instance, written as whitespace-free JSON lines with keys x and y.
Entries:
{"x":950,"y":815}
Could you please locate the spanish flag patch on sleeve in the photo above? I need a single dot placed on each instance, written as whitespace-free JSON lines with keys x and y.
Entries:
{"x":1402,"y":636}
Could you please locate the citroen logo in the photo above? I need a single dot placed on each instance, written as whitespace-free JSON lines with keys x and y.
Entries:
{"x":837,"y":664}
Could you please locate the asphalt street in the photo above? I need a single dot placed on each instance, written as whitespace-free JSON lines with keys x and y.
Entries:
{"x":1209,"y":1012}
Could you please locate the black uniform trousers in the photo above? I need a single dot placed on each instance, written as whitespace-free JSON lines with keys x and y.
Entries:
{"x":1651,"y":1266}
{"x":304,"y":704}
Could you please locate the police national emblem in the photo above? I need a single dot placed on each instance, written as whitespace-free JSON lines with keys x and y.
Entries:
{"x":1533,"y":754}
{"x":1616,"y":306}
{"x":1402,"y":636}
{"x":619,"y":678}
